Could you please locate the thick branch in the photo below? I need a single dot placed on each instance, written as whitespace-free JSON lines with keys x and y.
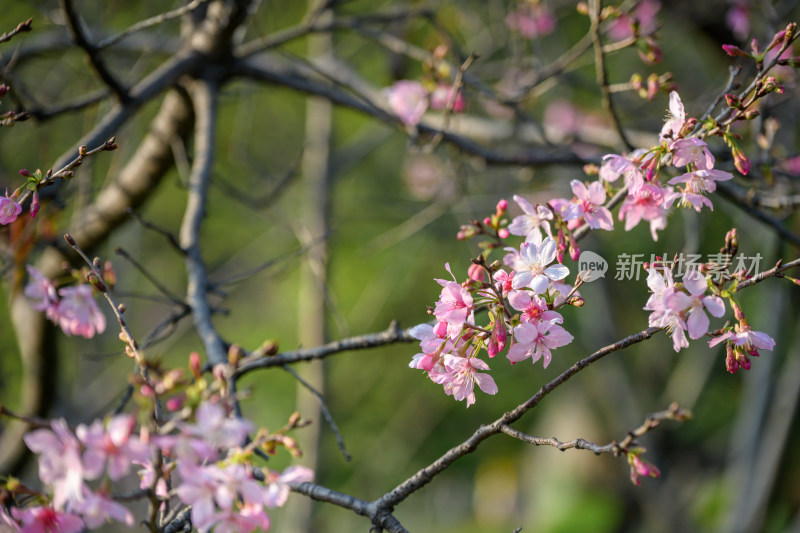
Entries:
{"x":204,"y":100}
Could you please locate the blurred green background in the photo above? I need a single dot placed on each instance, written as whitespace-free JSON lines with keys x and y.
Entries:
{"x":395,"y":210}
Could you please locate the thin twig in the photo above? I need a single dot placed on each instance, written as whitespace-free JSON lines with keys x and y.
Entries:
{"x":152,"y":21}
{"x":92,"y":52}
{"x":326,"y":413}
{"x":22,"y":27}
{"x":390,"y":336}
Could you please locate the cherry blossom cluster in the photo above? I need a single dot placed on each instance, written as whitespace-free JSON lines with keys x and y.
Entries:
{"x":199,"y":456}
{"x":73,"y":308}
{"x":522,"y":296}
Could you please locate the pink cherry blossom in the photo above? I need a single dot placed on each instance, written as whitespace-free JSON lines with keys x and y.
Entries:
{"x":695,"y":303}
{"x":97,"y":508}
{"x":114,"y":445}
{"x":9,"y":210}
{"x":454,"y":306}
{"x":532,"y":222}
{"x":198,"y":488}
{"x":737,"y":19}
{"x":43,"y":293}
{"x":215,"y":428}
{"x":441,"y":96}
{"x":531,"y":20}
{"x":432,"y":345}
{"x":698,"y":183}
{"x":46,"y":520}
{"x":462,"y":375}
{"x":590,"y":205}
{"x":675,"y":119}
{"x":645,"y":16}
{"x":277,"y":491}
{"x":533,"y":271}
{"x":747,"y":339}
{"x":534,"y":308}
{"x":78,"y":313}
{"x":248,"y":518}
{"x":536,"y":341}
{"x":647,"y":203}
{"x":664,"y":316}
{"x":408,"y":100}
{"x":60,"y":462}
{"x":692,"y":150}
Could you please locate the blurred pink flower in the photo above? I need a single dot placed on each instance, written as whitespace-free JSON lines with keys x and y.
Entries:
{"x":462,"y":375}
{"x":441,"y":95}
{"x":277,"y":492}
{"x":644,"y":14}
{"x":531,"y":20}
{"x":114,"y":445}
{"x":77,"y":312}
{"x":9,"y":210}
{"x":46,"y":520}
{"x":737,"y":19}
{"x":408,"y":100}
{"x":60,"y":462}
{"x":43,"y":293}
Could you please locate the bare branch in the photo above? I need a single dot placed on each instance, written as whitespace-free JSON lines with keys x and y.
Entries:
{"x":150,"y":22}
{"x":204,"y":99}
{"x":392,"y":335}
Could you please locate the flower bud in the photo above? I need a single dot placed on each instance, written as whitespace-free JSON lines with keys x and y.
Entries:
{"x":194,"y":365}
{"x":734,"y":51}
{"x":733,"y":101}
{"x":502,"y":206}
{"x":503,"y":233}
{"x":476,"y":272}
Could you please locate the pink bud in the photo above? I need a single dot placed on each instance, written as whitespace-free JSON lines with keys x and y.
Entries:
{"x":734,"y":51}
{"x":502,"y":233}
{"x":35,"y":204}
{"x":174,"y":404}
{"x":487,"y":221}
{"x":475,"y":272}
{"x":25,"y":173}
{"x":194,"y":364}
{"x":502,"y":205}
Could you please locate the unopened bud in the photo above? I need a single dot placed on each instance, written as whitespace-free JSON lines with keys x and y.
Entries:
{"x":235,"y":354}
{"x":122,"y":308}
{"x":269,"y":348}
{"x":3,"y":90}
{"x":734,"y":51}
{"x":751,"y":114}
{"x":69,"y":239}
{"x":502,"y":206}
{"x":733,"y":101}
{"x":194,"y":365}
{"x":577,"y":301}
{"x":502,"y":233}
{"x":82,"y":150}
{"x":294,"y":419}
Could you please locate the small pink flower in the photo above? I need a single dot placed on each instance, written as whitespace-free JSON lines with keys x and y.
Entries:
{"x":408,"y":100}
{"x":640,"y":468}
{"x":532,"y":222}
{"x":60,"y":462}
{"x":9,"y":210}
{"x":43,"y":293}
{"x":533,"y":270}
{"x":646,"y":203}
{"x":697,"y":183}
{"x":497,"y":341}
{"x":738,"y":20}
{"x":675,"y":119}
{"x":47,"y":520}
{"x":694,"y":303}
{"x":97,"y":508}
{"x":277,"y":492}
{"x":644,"y":15}
{"x":442,"y":95}
{"x":536,"y":341}
{"x":114,"y":445}
{"x":454,"y":306}
{"x":590,"y":205}
{"x":692,"y":150}
{"x":534,"y":308}
{"x":78,"y":313}
{"x":664,"y":316}
{"x":531,"y":21}
{"x":463,"y":375}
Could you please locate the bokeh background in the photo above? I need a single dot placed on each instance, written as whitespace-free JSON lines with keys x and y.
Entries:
{"x":395,"y":205}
